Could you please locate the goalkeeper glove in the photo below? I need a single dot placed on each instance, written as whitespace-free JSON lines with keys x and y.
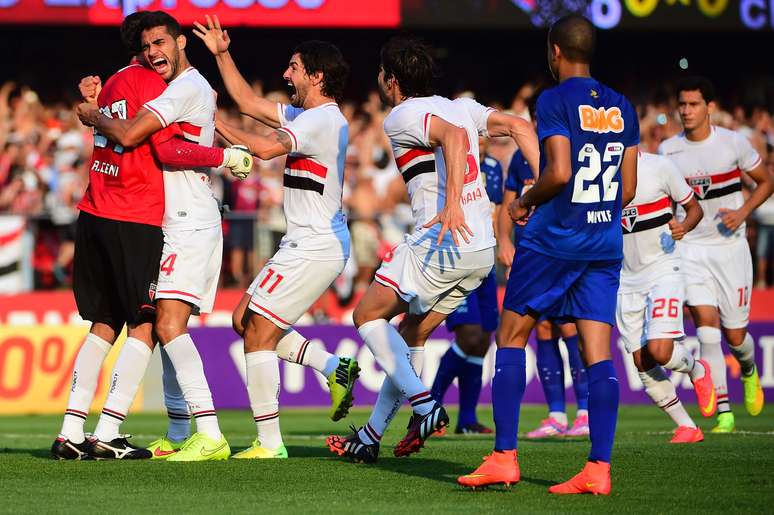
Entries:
{"x":238,"y":160}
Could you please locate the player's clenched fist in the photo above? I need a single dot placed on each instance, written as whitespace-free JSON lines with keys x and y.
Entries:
{"x":90,"y":87}
{"x":238,"y":160}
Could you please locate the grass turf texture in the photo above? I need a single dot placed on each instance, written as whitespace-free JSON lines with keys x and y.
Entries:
{"x":725,"y":473}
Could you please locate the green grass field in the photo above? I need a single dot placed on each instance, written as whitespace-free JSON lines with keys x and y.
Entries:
{"x":725,"y":473}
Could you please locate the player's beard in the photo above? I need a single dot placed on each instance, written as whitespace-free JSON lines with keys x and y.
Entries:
{"x":383,"y":94}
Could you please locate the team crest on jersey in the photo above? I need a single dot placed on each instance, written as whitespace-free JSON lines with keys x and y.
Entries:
{"x":629,"y":218}
{"x":594,"y":93}
{"x":700,"y":185}
{"x":600,"y":120}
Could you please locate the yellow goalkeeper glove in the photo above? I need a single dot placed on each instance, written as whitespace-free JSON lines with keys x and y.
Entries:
{"x":237,"y":158}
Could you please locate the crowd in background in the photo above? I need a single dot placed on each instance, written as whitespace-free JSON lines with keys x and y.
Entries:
{"x":45,"y":151}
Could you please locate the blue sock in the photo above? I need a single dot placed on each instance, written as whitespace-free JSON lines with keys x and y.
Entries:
{"x":508,"y":387}
{"x":470,"y":389}
{"x":580,"y":382}
{"x":603,"y":409}
{"x":551,"y":371}
{"x":448,"y":369}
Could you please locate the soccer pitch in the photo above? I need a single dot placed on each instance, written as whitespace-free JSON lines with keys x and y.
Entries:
{"x":724,"y":474}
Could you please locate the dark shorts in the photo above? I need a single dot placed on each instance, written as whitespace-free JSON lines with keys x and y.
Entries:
{"x":240,"y":234}
{"x":479,"y":308}
{"x":115,"y":270}
{"x":562,"y":290}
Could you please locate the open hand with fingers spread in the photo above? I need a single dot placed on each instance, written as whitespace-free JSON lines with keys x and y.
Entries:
{"x":452,"y":218}
{"x":214,"y":37}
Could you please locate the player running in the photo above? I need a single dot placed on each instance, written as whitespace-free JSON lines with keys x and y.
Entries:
{"x":472,"y":323}
{"x":193,"y":242}
{"x":429,"y":274}
{"x":550,"y":363}
{"x":573,"y":246}
{"x":649,"y":311}
{"x":119,"y":245}
{"x":711,"y":159}
{"x":313,"y":133}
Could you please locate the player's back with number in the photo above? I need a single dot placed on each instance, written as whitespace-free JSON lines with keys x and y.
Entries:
{"x":582,"y":221}
{"x":126,"y":183}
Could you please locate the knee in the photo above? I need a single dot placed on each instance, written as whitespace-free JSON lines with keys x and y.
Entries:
{"x":167,"y":328}
{"x":360,"y":316}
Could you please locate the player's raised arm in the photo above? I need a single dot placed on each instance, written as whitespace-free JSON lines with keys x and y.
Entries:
{"x":555,"y":176}
{"x":276,"y":144}
{"x":250,"y":104}
{"x":521,"y":131}
{"x":128,"y":133}
{"x":454,"y":142}
{"x":628,"y":175}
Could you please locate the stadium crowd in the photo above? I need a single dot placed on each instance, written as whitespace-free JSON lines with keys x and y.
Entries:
{"x":45,"y":152}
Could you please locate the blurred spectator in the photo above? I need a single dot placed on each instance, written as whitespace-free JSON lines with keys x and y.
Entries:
{"x":764,"y":215}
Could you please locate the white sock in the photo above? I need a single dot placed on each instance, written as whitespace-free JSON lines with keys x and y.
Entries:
{"x":582,"y":413}
{"x":681,"y":360}
{"x":125,"y":380}
{"x":263,"y":383}
{"x":745,"y":354}
{"x":190,"y":375}
{"x":389,"y":402}
{"x":85,"y":375}
{"x":559,"y":416}
{"x":179,"y":427}
{"x":712,"y":353}
{"x":295,"y":348}
{"x":661,"y":390}
{"x":392,"y":354}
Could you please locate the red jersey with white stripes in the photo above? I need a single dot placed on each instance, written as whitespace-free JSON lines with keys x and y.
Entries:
{"x":649,"y":250}
{"x":313,"y":181}
{"x":424,"y":169}
{"x":190,"y":101}
{"x":125,"y":183}
{"x":712,"y":168}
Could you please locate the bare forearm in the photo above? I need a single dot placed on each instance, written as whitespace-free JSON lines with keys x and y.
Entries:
{"x":504,"y":222}
{"x":115,"y":130}
{"x":248,"y":102}
{"x":758,"y":196}
{"x":455,"y":157}
{"x":547,"y":187}
{"x":693,"y":215}
{"x":265,"y":147}
{"x":526,"y":139}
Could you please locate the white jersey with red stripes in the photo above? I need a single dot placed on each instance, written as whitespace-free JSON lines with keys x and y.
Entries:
{"x":712,"y":168}
{"x":313,"y":181}
{"x":649,"y":250}
{"x":188,"y":100}
{"x":424,"y":170}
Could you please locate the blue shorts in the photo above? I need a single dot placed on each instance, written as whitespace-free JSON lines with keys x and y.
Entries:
{"x":562,"y":290}
{"x":478,"y":308}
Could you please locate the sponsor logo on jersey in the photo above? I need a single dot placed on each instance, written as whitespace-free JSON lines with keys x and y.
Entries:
{"x":700,"y":185}
{"x":628,"y":218}
{"x":600,"y":120}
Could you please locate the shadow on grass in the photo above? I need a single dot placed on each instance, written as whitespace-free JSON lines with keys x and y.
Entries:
{"x":35,"y":453}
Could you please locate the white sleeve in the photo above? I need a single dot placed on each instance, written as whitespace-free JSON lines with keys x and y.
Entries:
{"x":661,"y":148}
{"x":747,"y":157}
{"x":478,"y":113}
{"x":305,"y":131}
{"x":408,"y":126}
{"x":175,"y":103}
{"x":676,"y":186}
{"x":287,"y":113}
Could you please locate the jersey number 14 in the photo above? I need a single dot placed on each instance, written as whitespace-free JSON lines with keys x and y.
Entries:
{"x":592,"y":161}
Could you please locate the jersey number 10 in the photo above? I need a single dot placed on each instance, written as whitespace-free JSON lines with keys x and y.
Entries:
{"x":118,"y":108}
{"x":592,"y":166}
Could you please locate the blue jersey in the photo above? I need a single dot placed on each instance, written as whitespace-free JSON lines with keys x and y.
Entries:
{"x":519,"y":180}
{"x":582,"y":221}
{"x":493,"y":177}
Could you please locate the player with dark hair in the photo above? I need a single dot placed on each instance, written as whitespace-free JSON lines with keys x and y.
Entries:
{"x":449,"y":253}
{"x":716,"y":256}
{"x":118,"y":247}
{"x":573,"y":245}
{"x":313,"y":133}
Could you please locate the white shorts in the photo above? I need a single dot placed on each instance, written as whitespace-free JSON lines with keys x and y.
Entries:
{"x":654,"y":314}
{"x":190,"y":266}
{"x":429,"y":280}
{"x":721,"y":276}
{"x":289,"y":284}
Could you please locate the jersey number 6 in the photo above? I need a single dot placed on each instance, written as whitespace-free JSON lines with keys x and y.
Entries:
{"x":589,"y":156}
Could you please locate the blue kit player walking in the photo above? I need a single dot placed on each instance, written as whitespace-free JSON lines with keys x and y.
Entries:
{"x":550,"y":363}
{"x":574,"y":247}
{"x":473,"y":324}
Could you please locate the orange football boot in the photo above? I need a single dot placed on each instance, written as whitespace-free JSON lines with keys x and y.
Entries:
{"x":498,"y":467}
{"x":705,"y":391}
{"x":685,"y":434}
{"x":593,"y":479}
